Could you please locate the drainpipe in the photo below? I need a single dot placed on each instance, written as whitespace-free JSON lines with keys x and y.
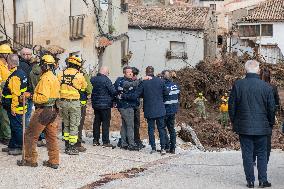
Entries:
{"x":15,"y":19}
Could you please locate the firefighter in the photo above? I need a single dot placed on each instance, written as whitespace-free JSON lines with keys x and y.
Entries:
{"x":14,"y":88}
{"x":200,"y":103}
{"x":45,"y":96}
{"x":224,"y":118}
{"x":72,"y":82}
{"x":83,"y":99}
{"x":5,"y":132}
{"x":225,"y":98}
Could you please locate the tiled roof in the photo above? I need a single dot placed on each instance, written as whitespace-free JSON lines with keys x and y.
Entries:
{"x":168,"y":17}
{"x":271,"y":10}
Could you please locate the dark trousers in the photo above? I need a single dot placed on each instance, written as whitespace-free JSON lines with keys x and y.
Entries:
{"x":258,"y":145}
{"x":102,"y":117}
{"x":137,"y":126}
{"x":82,"y":122}
{"x":170,"y":125}
{"x":161,"y":129}
{"x":268,"y":149}
{"x":16,"y":125}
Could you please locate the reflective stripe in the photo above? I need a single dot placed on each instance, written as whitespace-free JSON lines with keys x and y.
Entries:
{"x":171,"y":102}
{"x":73,"y":139}
{"x":7,"y":96}
{"x":69,"y":92}
{"x":66,"y":136}
{"x":83,"y":90}
{"x":24,"y":89}
{"x":174,"y":92}
{"x":83,"y":102}
{"x":21,"y":108}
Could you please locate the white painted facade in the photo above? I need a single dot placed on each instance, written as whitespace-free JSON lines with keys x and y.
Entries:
{"x":51,"y":25}
{"x":149,"y":48}
{"x":270,"y":48}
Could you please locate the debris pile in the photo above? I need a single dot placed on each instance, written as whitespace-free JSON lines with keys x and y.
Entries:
{"x":213,"y":79}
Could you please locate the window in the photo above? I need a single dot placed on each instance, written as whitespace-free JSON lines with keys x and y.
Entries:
{"x":23,"y":35}
{"x":220,"y":40}
{"x":124,"y":6}
{"x":213,"y":6}
{"x":254,"y":30}
{"x":177,"y":50}
{"x":125,"y":53}
{"x":267,"y":30}
{"x":249,"y":30}
{"x":76,"y":27}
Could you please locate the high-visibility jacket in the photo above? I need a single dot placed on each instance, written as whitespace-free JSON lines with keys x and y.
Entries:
{"x":85,"y":92}
{"x":71,"y":83}
{"x":14,"y":87}
{"x":4,"y":71}
{"x":224,"y":107}
{"x":47,"y":90}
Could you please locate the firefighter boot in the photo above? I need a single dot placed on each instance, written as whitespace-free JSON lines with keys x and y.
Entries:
{"x":73,"y":150}
{"x":80,"y":147}
{"x":67,"y":146}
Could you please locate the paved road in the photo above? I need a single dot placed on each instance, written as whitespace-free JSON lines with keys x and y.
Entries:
{"x":188,"y":170}
{"x":197,"y":170}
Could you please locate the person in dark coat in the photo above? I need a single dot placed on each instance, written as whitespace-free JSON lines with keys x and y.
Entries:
{"x":26,"y":64}
{"x":153,"y":92}
{"x":172,"y":105}
{"x":252,"y":113}
{"x":126,"y":109}
{"x":102,"y":101}
{"x":265,"y":76}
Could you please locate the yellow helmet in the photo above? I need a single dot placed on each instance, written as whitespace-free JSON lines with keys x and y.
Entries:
{"x":48,"y":59}
{"x":200,"y":94}
{"x":75,"y":60}
{"x":5,"y":49}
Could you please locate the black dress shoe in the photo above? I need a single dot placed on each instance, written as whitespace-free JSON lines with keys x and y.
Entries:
{"x":265,"y":184}
{"x":250,"y":185}
{"x":133,"y":148}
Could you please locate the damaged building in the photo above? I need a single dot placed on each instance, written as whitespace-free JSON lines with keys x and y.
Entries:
{"x":260,"y":34}
{"x":171,"y":37}
{"x":96,"y":30}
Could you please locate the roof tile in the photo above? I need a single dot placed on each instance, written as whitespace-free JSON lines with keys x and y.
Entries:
{"x":168,"y":17}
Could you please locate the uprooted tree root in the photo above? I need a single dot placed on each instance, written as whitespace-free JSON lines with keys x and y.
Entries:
{"x":214,"y":78}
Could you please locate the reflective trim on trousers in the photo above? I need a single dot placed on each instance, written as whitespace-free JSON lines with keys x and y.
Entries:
{"x":171,"y":102}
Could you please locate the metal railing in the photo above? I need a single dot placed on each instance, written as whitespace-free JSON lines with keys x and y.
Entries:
{"x":76,"y":27}
{"x":23,"y":35}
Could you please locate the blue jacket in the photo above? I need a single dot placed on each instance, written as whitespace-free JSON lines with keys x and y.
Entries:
{"x":26,"y":66}
{"x":172,"y":99}
{"x":119,"y":86}
{"x":252,"y":106}
{"x":153,"y":92}
{"x":103,"y":92}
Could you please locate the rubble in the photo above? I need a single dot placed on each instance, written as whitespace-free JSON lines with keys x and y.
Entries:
{"x":214,"y":78}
